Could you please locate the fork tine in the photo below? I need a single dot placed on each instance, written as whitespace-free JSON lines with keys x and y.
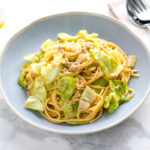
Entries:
{"x":144,"y":4}
{"x":139,"y":5}
{"x":134,"y":6}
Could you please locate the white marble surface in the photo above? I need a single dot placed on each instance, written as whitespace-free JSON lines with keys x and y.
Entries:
{"x":15,"y":134}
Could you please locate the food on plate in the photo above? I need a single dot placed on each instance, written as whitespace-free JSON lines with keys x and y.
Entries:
{"x":75,"y":78}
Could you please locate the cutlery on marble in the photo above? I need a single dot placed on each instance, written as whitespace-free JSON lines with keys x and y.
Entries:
{"x":139,"y":12}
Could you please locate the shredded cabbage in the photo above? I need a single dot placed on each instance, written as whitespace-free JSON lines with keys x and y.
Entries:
{"x":66,"y":87}
{"x":34,"y":57}
{"x":22,"y":81}
{"x":67,"y":78}
{"x":51,"y":86}
{"x":65,"y":37}
{"x":111,"y":102}
{"x":69,"y":109}
{"x":110,"y":67}
{"x":118,"y":95}
{"x":34,"y":104}
{"x":35,"y":69}
{"x":81,"y":34}
{"x":48,"y":45}
{"x":101,"y":82}
{"x":39,"y":82}
{"x":39,"y":93}
{"x":88,"y":95}
{"x":83,"y":105}
{"x":50,"y":72}
{"x":121,"y":89}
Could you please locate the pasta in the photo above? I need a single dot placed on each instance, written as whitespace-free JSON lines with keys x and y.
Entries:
{"x":72,"y":80}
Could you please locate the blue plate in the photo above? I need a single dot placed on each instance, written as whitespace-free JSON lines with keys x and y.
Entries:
{"x":30,"y":39}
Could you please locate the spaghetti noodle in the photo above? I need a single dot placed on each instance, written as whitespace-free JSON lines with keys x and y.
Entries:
{"x":75,"y":78}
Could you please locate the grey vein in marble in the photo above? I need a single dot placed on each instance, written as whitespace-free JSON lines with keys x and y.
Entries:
{"x":15,"y":134}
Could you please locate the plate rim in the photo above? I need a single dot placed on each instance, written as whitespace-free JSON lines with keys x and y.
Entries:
{"x":64,"y":14}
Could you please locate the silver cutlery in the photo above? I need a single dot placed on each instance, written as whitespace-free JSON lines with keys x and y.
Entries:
{"x":139,"y":12}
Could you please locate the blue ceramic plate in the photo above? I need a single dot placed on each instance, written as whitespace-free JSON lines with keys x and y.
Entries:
{"x":30,"y":39}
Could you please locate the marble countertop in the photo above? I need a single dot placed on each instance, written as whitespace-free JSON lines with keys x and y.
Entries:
{"x":15,"y":134}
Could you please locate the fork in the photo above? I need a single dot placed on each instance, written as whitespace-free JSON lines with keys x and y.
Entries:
{"x":139,"y":12}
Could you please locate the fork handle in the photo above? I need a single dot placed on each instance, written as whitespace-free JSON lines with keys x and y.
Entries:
{"x":142,"y":22}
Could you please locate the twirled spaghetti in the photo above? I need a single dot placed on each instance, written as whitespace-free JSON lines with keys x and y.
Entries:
{"x":75,"y":78}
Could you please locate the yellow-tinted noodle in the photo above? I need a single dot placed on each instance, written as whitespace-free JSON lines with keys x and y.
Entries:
{"x":87,"y":72}
{"x":93,"y":112}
